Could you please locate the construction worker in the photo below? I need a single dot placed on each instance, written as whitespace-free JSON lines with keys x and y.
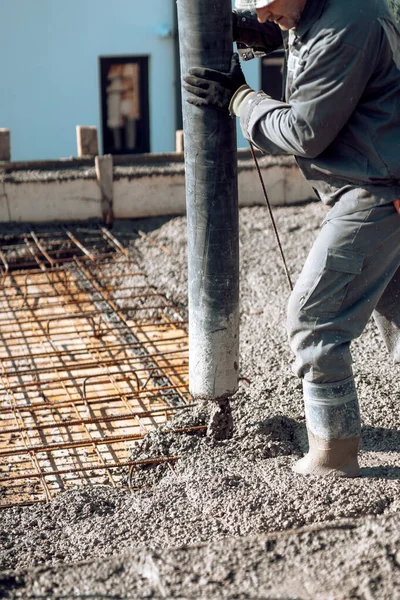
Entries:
{"x":341,"y":120}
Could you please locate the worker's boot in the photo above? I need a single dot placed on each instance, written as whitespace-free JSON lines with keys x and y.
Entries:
{"x":333,"y":426}
{"x":330,"y":457}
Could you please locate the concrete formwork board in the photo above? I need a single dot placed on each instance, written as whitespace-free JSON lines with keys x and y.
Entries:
{"x":146,"y":186}
{"x":149,"y":196}
{"x":284,"y":183}
{"x":76,"y":200}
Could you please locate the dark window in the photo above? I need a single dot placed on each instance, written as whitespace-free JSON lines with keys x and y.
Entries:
{"x":124,"y":92}
{"x":272,"y":74}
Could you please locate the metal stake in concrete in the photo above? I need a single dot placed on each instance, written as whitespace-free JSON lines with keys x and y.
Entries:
{"x":5,"y":145}
{"x":205,"y":38}
{"x":86,"y":138}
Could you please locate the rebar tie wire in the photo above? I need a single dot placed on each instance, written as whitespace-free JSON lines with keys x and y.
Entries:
{"x":271,"y":216}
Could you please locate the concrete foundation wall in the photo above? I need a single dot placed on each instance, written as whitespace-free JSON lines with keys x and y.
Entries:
{"x":284,"y":185}
{"x":152,"y":186}
{"x":50,"y":201}
{"x":149,"y":196}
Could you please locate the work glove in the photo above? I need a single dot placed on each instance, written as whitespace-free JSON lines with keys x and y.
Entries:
{"x":209,"y":87}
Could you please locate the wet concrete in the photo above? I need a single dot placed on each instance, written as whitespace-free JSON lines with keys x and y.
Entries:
{"x":221,"y":492}
{"x":349,"y":559}
{"x":220,"y":423}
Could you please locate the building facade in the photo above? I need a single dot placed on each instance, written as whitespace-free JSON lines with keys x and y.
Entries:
{"x":91,"y":62}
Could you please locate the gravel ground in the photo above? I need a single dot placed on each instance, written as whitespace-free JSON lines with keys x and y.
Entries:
{"x":243,"y":486}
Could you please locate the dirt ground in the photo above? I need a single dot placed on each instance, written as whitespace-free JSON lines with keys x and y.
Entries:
{"x":220,"y":525}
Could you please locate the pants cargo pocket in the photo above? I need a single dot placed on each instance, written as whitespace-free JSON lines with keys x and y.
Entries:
{"x":326,"y":294}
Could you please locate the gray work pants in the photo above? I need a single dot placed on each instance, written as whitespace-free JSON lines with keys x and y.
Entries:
{"x":351,"y":272}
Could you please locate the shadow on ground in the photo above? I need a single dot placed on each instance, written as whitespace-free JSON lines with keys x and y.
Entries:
{"x":383,"y":472}
{"x":380,"y":439}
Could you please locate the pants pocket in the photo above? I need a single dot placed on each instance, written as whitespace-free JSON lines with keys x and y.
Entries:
{"x":326,"y":294}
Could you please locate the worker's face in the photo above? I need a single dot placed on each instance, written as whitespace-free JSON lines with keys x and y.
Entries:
{"x":285,"y":13}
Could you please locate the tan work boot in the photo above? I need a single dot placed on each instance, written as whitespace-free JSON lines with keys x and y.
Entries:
{"x":336,"y":458}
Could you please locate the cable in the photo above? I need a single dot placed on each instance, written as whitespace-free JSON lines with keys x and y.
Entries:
{"x":271,"y":215}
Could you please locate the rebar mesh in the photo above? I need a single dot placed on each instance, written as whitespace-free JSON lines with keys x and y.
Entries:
{"x":92,"y":358}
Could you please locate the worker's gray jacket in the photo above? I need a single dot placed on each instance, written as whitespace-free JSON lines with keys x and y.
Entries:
{"x":341,"y":115}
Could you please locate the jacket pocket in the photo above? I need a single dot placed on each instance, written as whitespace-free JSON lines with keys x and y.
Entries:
{"x":326,"y":294}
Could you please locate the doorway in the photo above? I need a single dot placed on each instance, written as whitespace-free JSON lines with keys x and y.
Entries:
{"x":124,"y":94}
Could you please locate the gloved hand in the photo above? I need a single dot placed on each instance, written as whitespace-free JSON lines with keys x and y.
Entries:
{"x":208,"y":87}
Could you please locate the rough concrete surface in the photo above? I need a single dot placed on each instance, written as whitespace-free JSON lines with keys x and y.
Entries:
{"x":342,"y":561}
{"x":226,"y":495}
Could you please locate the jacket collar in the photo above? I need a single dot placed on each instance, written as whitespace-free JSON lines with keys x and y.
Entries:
{"x":311,"y":13}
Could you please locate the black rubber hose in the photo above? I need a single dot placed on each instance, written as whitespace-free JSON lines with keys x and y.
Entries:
{"x":205,"y":39}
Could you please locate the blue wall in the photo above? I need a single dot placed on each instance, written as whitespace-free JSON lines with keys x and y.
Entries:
{"x":49,"y":53}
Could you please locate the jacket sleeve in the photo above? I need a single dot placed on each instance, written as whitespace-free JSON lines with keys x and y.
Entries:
{"x":327,"y":85}
{"x":254,"y":38}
